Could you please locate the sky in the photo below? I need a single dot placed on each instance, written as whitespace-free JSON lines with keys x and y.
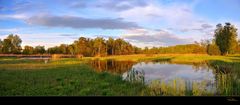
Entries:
{"x":141,"y":22}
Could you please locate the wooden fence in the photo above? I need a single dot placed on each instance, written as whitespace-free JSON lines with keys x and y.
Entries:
{"x":38,"y":55}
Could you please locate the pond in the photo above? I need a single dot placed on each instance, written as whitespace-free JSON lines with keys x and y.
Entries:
{"x":199,"y":75}
{"x":167,"y":72}
{"x":156,"y":70}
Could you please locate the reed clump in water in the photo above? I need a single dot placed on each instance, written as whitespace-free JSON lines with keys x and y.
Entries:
{"x":177,"y":87}
{"x":227,"y":77}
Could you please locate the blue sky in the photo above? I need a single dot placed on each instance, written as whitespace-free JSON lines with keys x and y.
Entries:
{"x":141,"y":22}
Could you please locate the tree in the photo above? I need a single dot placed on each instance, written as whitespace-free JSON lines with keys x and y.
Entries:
{"x":118,"y":46}
{"x":213,"y":49}
{"x":100,"y":46}
{"x":153,"y":50}
{"x":1,"y":46}
{"x":54,"y":50}
{"x":39,"y":50}
{"x":238,"y":47}
{"x":16,"y":43}
{"x":12,"y":44}
{"x":137,"y":50}
{"x":110,"y":46}
{"x":71,"y":49}
{"x":63,"y":48}
{"x":204,"y":44}
{"x":226,"y":38}
{"x":122,"y":47}
{"x":146,"y":50}
{"x":80,"y":46}
{"x":7,"y":46}
{"x":28,"y":50}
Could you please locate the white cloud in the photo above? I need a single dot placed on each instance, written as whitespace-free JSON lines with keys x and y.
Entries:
{"x":177,"y":16}
{"x":179,"y":19}
{"x":144,"y":37}
{"x":180,"y":22}
{"x":9,"y":30}
{"x":13,"y":16}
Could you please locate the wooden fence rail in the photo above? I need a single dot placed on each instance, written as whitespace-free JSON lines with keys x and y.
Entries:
{"x":38,"y":55}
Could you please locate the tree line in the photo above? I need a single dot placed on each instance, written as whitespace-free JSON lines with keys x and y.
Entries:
{"x":12,"y":45}
{"x":95,"y":47}
{"x":224,"y":42}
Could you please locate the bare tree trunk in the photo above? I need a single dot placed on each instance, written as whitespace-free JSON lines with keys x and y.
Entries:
{"x":106,"y":50}
{"x":99,"y":50}
{"x":112,"y":52}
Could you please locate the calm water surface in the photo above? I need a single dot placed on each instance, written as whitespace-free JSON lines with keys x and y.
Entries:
{"x":205,"y":76}
{"x":167,"y":72}
{"x":150,"y":71}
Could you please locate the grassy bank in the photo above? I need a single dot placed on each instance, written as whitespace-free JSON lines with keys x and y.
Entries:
{"x":62,"y":77}
{"x":185,"y":58}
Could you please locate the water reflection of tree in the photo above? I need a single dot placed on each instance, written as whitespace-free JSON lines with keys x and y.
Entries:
{"x":200,"y":66}
{"x":221,"y":69}
{"x":112,"y":66}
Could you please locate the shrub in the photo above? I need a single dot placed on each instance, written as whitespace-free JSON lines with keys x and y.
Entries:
{"x":213,"y":49}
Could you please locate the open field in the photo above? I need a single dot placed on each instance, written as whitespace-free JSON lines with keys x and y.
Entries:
{"x":173,"y":57}
{"x":62,"y":77}
{"x":71,"y":76}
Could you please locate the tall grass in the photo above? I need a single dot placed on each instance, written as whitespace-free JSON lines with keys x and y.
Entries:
{"x":226,"y":83}
{"x":178,"y":87}
{"x":227,"y":76}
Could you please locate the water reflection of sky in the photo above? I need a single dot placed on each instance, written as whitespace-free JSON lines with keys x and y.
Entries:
{"x":166,"y":72}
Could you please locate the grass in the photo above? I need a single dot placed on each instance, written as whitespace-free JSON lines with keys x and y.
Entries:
{"x":136,"y":57}
{"x":177,"y":87}
{"x":178,"y":58}
{"x":63,"y":77}
{"x":71,"y":77}
{"x":227,"y":76}
{"x":227,"y":82}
